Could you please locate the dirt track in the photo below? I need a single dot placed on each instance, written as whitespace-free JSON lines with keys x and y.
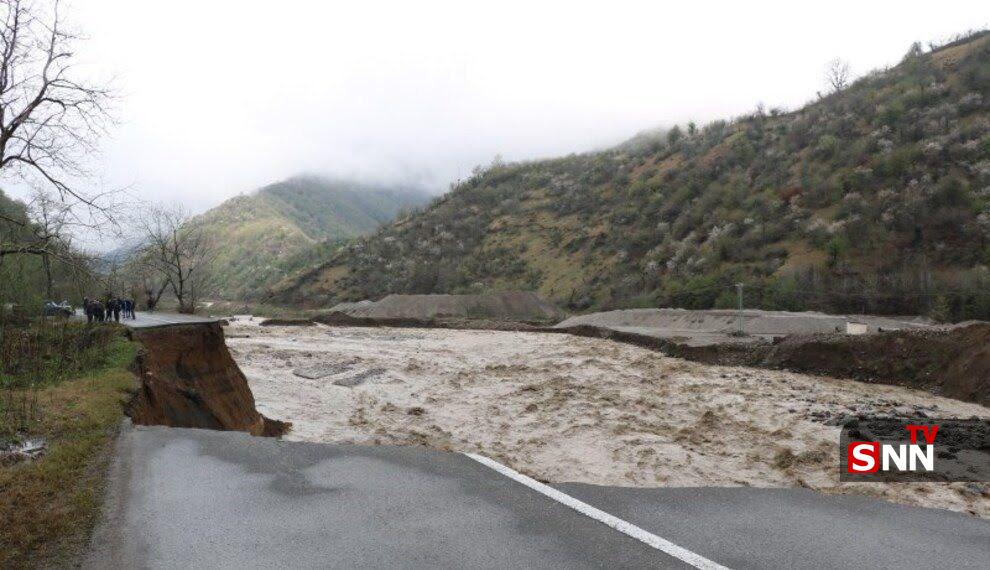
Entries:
{"x":564,"y":408}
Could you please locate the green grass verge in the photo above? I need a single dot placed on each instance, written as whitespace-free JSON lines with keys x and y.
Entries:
{"x":49,"y":506}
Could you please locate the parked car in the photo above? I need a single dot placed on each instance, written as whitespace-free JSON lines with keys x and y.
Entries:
{"x":53,"y":309}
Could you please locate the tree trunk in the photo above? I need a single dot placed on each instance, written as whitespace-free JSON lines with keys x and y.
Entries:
{"x":46,"y":261}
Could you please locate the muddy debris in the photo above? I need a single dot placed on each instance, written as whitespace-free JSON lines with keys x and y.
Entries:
{"x":322,"y":370}
{"x":359,"y":378}
{"x":287,"y":323}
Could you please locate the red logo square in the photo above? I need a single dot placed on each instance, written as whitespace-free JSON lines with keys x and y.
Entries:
{"x":863,"y":457}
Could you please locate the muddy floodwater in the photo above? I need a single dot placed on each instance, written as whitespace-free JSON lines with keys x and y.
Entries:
{"x":568,"y":409}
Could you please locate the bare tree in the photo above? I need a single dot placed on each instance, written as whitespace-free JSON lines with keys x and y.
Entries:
{"x":49,"y":118}
{"x":178,"y":249}
{"x":51,"y":218}
{"x":50,"y":121}
{"x":42,"y":230}
{"x":145,"y":281}
{"x":837,"y":74}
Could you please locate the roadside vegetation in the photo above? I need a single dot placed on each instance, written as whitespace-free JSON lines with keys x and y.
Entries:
{"x":62,"y":385}
{"x":61,"y":382}
{"x":873,"y":198}
{"x":39,"y":263}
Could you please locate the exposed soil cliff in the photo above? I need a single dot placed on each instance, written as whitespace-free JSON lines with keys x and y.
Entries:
{"x":188,"y":379}
{"x":951,"y":362}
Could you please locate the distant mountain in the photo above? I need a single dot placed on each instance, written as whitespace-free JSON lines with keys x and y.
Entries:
{"x":261,"y":236}
{"x":872,"y":198}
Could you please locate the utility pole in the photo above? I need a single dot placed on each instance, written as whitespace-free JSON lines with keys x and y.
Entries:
{"x":739,"y":294}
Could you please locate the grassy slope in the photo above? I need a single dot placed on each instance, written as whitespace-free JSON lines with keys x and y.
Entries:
{"x":50,"y":505}
{"x":261,"y":236}
{"x":876,"y":198}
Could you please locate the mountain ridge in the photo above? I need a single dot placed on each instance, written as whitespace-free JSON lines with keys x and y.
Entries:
{"x":258,"y":237}
{"x":873,"y":198}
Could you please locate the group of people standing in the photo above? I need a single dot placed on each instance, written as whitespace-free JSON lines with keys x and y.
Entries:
{"x":111,"y":308}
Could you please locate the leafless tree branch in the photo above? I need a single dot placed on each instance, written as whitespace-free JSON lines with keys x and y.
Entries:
{"x":50,"y":121}
{"x":176,"y":248}
{"x":837,"y":74}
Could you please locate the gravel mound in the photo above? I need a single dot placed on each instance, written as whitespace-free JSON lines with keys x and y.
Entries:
{"x":344,"y":307}
{"x":522,"y":306}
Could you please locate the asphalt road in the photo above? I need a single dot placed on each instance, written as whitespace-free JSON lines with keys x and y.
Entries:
{"x":191,"y":498}
{"x":146,"y":320}
{"x":797,"y":528}
{"x":184,"y":498}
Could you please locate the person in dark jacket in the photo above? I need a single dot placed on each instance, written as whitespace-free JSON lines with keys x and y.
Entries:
{"x":87,"y":310}
{"x":113,"y":307}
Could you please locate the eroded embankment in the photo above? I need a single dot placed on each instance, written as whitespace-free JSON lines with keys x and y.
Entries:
{"x":952,"y":362}
{"x":189,"y":379}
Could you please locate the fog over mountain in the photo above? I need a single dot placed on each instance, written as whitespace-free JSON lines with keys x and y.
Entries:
{"x":221,"y":97}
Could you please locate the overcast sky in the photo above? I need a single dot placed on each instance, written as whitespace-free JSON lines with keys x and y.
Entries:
{"x":219,"y":97}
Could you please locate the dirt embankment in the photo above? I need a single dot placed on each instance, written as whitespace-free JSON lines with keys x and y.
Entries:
{"x":189,"y":379}
{"x":952,"y":362}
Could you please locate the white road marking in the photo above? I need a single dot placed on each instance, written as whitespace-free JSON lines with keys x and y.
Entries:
{"x":627,"y":528}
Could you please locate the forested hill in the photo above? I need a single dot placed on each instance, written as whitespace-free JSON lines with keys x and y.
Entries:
{"x":260,"y":236}
{"x":875,"y":197}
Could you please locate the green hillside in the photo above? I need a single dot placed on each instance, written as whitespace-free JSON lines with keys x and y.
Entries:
{"x":260,"y":237}
{"x":874,"y":198}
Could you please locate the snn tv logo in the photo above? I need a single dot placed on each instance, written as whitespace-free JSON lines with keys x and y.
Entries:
{"x":864,"y":457}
